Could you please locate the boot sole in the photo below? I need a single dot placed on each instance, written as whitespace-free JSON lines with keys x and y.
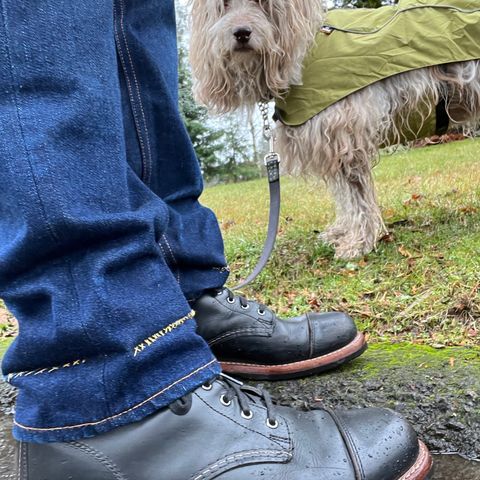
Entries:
{"x":422,"y":468}
{"x":298,"y":369}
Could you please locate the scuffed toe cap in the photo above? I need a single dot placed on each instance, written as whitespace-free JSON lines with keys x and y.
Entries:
{"x":381,"y":443}
{"x":330,"y":331}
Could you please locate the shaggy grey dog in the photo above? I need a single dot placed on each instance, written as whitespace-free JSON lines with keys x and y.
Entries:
{"x":247,"y":51}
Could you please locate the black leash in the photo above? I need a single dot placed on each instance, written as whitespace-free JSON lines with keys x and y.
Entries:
{"x":272,"y":163}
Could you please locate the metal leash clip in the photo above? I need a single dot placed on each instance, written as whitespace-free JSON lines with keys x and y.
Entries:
{"x":272,"y":158}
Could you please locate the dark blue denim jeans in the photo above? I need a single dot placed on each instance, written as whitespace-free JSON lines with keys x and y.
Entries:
{"x":102,"y":238}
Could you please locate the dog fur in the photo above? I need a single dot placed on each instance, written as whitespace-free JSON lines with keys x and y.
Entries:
{"x":341,"y":144}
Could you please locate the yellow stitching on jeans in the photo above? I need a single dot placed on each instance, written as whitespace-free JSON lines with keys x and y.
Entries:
{"x":138,"y":349}
{"x":13,"y":376}
{"x":129,"y":85}
{"x":131,"y":409}
{"x":164,"y":331}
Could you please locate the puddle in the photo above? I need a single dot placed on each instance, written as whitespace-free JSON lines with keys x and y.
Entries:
{"x":447,"y":467}
{"x":453,"y":467}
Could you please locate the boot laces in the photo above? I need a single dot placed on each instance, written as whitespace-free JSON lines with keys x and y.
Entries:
{"x":246,"y":396}
{"x":244,"y":302}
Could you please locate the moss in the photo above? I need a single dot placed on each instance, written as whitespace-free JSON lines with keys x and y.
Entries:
{"x":438,"y":391}
{"x":386,"y":356}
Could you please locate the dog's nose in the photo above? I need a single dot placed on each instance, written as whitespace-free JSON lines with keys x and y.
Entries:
{"x":243,"y":34}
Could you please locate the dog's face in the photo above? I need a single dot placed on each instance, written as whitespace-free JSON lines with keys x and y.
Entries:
{"x":244,"y":51}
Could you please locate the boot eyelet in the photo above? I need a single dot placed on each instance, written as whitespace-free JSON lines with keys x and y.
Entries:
{"x":273,"y":425}
{"x":207,"y":387}
{"x":231,"y":300}
{"x":246,"y":307}
{"x":225,"y":402}
{"x":247,"y":415}
{"x":261,"y":312}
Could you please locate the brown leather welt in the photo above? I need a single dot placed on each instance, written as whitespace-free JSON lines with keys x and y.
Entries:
{"x":422,"y":466}
{"x":324,"y":360}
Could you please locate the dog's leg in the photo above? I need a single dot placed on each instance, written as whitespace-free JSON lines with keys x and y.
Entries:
{"x":339,"y":145}
{"x":358,"y":224}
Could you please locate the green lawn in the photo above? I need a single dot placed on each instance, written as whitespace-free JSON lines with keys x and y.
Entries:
{"x":422,"y":285}
{"x":4,"y":343}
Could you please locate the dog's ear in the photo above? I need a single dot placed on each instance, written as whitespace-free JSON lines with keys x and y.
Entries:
{"x":204,"y":14}
{"x":298,"y":21}
{"x":309,"y":13}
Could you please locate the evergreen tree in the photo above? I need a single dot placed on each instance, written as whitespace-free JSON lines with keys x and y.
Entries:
{"x":206,"y":140}
{"x":240,"y":163}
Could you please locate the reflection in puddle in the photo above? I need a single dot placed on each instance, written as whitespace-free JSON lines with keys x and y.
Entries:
{"x":447,"y":467}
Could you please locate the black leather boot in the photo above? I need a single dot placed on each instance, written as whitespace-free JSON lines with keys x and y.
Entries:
{"x":251,"y":341}
{"x":227,"y":431}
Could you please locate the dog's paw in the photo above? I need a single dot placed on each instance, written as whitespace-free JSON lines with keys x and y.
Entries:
{"x":346,"y":245}
{"x":351,"y":241}
{"x":351,"y":252}
{"x":332,"y":235}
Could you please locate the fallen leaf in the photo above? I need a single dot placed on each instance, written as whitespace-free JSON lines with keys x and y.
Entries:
{"x":387,"y":238}
{"x":228,"y":224}
{"x":404,"y":252}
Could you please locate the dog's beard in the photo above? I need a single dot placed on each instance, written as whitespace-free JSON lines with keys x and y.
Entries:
{"x":242,"y":78}
{"x":239,"y":82}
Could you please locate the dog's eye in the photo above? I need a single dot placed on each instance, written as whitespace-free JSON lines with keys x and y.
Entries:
{"x":226,"y":3}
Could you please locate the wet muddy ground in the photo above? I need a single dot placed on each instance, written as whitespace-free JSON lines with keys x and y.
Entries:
{"x":439,"y":392}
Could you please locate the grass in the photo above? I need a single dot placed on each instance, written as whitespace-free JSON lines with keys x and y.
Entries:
{"x":422,"y":285}
{"x":8,"y":326}
{"x":4,"y":343}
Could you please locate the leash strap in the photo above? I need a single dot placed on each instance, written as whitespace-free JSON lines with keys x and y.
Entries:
{"x":272,"y":163}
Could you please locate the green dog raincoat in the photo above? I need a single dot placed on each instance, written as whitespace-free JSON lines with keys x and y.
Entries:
{"x":358,"y":47}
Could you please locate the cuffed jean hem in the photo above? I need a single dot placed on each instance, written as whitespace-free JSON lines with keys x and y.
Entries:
{"x":161,"y":397}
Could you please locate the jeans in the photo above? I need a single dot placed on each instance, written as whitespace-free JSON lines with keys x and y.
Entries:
{"x":103,"y":242}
